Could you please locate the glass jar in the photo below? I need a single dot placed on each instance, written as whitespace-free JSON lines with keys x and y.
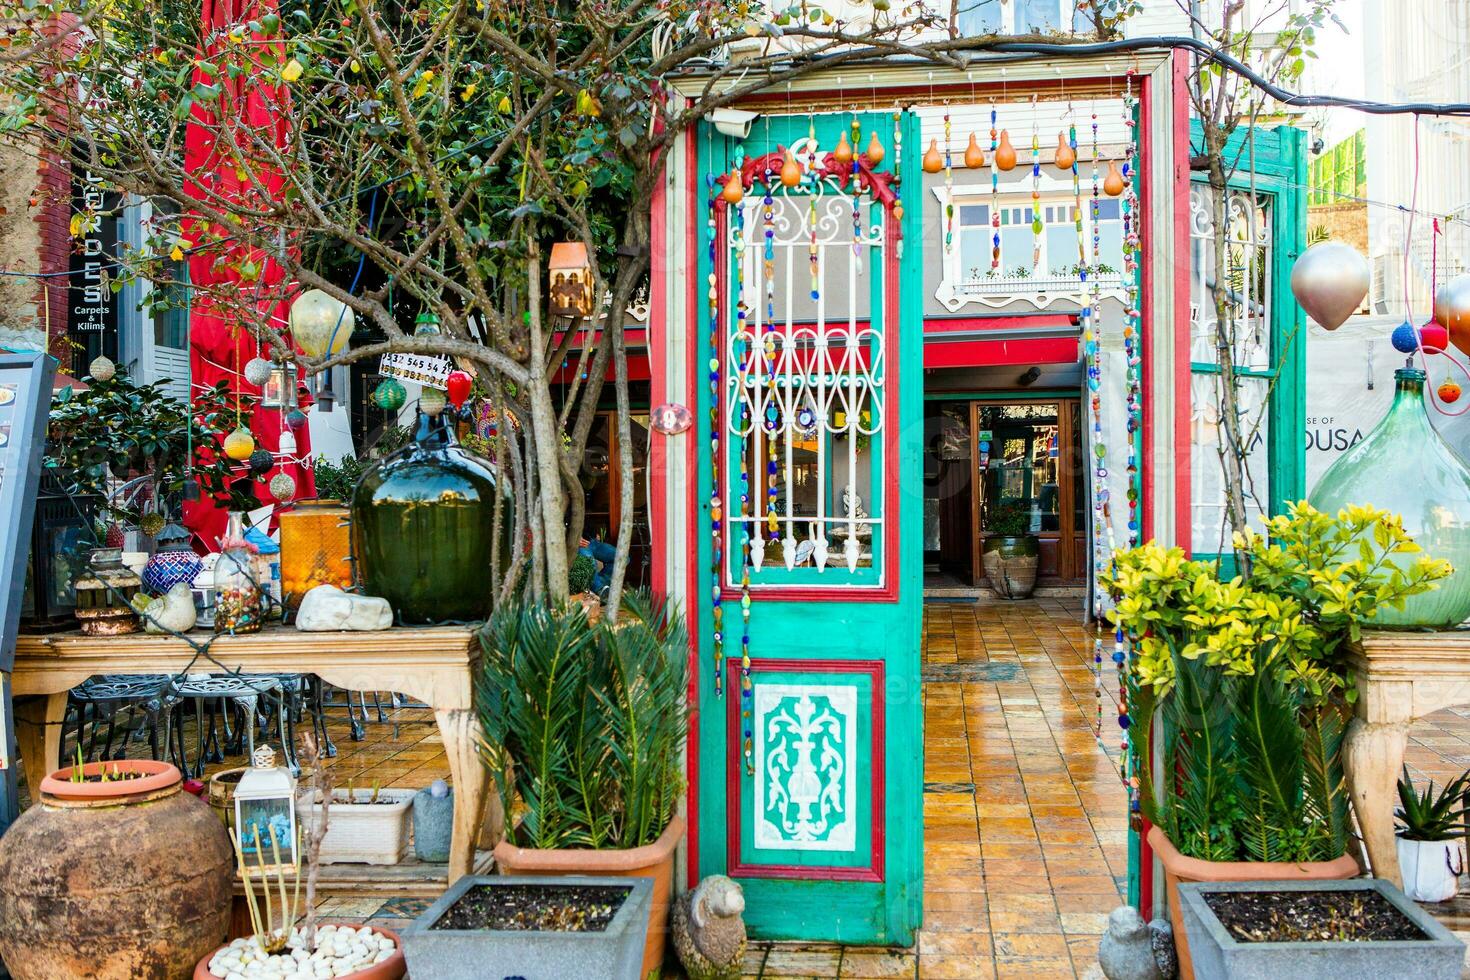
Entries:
{"x":421,"y":529}
{"x":316,"y":548}
{"x":105,"y":592}
{"x":1405,"y":468}
{"x":237,"y":587}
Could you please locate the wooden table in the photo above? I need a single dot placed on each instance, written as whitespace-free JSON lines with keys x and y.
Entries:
{"x":434,"y":665}
{"x":1401,"y":677}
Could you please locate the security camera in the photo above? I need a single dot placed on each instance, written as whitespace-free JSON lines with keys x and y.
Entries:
{"x":733,"y":122}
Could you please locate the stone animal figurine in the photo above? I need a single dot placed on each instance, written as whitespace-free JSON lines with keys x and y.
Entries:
{"x":709,"y":934}
{"x":1127,"y":950}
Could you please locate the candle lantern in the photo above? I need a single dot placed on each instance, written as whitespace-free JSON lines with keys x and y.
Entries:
{"x":276,"y":392}
{"x":316,"y":548}
{"x":58,"y":555}
{"x":265,"y":812}
{"x":172,"y":563}
{"x":105,"y":594}
{"x":571,"y":280}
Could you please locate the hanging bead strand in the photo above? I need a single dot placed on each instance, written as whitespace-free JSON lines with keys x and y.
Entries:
{"x":994,"y":192}
{"x":1036,"y":224}
{"x":716,"y":396}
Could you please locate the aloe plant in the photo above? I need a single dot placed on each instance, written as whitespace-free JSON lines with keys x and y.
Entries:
{"x":1428,"y":816}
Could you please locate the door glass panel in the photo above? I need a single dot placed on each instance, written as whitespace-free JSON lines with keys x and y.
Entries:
{"x":1020,"y":469}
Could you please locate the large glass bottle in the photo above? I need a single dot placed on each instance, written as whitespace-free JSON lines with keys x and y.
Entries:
{"x":421,"y":528}
{"x":1404,"y":467}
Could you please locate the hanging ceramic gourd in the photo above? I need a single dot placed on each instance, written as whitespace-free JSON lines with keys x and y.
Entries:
{"x":875,"y":150}
{"x":1433,"y":337}
{"x":790,"y":171}
{"x":390,"y":395}
{"x":734,"y":190}
{"x":933,"y":161}
{"x":1449,"y":392}
{"x":974,"y":156}
{"x":257,"y":371}
{"x":1329,"y":281}
{"x":1405,"y":468}
{"x":239,"y":444}
{"x":1005,"y":153}
{"x":102,"y":369}
{"x":458,"y":386}
{"x":1452,"y":308}
{"x":842,"y":153}
{"x":1065,"y":155}
{"x":1113,"y":184}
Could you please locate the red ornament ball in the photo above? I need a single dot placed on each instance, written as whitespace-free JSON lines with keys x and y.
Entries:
{"x":458,"y":387}
{"x":1449,"y":392}
{"x":1434,"y":337}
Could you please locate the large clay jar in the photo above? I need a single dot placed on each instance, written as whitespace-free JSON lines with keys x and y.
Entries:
{"x":119,"y":880}
{"x":422,"y":526}
{"x":1405,"y":468}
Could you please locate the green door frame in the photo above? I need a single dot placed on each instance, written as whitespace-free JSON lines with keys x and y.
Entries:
{"x":867,"y":646}
{"x":1279,"y":159}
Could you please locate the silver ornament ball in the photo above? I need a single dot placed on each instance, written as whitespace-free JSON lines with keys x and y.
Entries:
{"x":283,"y":487}
{"x":1330,"y":281}
{"x":257,"y":371}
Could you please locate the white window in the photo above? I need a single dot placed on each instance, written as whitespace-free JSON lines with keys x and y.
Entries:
{"x":978,"y":17}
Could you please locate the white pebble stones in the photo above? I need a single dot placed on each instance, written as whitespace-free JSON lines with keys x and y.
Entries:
{"x":340,"y":951}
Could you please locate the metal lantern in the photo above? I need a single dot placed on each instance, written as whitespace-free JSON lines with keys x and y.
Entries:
{"x":571,"y":280}
{"x":58,"y":553}
{"x":320,"y":324}
{"x":105,"y":594}
{"x":276,"y":392}
{"x":265,"y":812}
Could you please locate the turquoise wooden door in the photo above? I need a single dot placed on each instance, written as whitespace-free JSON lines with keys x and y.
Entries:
{"x":808,"y":767}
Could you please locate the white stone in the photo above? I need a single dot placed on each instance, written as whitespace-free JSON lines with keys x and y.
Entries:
{"x":327,"y":608}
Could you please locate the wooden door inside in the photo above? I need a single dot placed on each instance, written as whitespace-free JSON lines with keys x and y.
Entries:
{"x":1028,"y":480}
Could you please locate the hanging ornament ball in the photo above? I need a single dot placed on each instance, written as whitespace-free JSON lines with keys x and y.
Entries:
{"x":458,"y":384}
{"x":1405,"y":338}
{"x":432,"y":401}
{"x":390,"y":395}
{"x":1433,"y":337}
{"x":286,"y":446}
{"x":283,"y":487}
{"x":152,"y":523}
{"x":1452,"y":308}
{"x":321,"y":324}
{"x":102,"y":369}
{"x":239,"y":444}
{"x":1448,"y":392}
{"x":296,"y":418}
{"x":257,"y":371}
{"x":261,"y":462}
{"x":1329,"y":280}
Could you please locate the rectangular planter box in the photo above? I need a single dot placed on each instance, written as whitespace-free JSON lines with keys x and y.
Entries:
{"x":1218,"y":956}
{"x":616,"y":953}
{"x":363,"y":833}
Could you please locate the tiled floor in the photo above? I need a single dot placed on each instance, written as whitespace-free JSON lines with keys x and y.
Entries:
{"x":1025,"y":828}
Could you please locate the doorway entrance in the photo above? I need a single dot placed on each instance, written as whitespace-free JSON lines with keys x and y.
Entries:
{"x":1002,"y":466}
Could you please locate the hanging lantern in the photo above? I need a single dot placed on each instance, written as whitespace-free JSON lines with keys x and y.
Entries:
{"x":390,"y":395}
{"x":875,"y":150}
{"x":283,"y":487}
{"x":426,"y":324}
{"x":974,"y":156}
{"x":1452,"y":308}
{"x":275,"y":394}
{"x":321,"y":324}
{"x":458,"y":385}
{"x":172,"y":563}
{"x":1065,"y":155}
{"x":102,"y":369}
{"x":571,"y":280}
{"x":1449,"y":392}
{"x":1005,"y":153}
{"x":265,"y":812}
{"x":1113,"y":183}
{"x":286,"y":445}
{"x":1329,"y":281}
{"x":257,"y":371}
{"x":734,"y":189}
{"x":432,"y":401}
{"x":239,"y":444}
{"x":1433,"y":337}
{"x":933,"y":162}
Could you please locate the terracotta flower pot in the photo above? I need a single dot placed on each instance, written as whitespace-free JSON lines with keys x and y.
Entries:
{"x":123,"y":879}
{"x":1178,"y":868}
{"x":393,"y":968}
{"x":654,"y":861}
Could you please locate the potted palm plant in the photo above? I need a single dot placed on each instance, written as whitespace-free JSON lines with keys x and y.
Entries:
{"x":1430,"y":838}
{"x":583,"y":725}
{"x":1250,"y":681}
{"x":1010,"y":553}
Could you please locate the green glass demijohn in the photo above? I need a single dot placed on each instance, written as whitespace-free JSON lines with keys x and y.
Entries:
{"x":421,"y":528}
{"x":1405,"y":468}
